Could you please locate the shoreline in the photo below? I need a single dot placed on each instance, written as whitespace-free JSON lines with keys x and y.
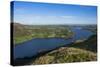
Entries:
{"x":46,"y":38}
{"x":36,"y":56}
{"x":19,"y":61}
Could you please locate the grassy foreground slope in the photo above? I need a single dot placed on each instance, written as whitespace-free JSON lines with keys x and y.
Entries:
{"x":77,"y":52}
{"x":66,"y":55}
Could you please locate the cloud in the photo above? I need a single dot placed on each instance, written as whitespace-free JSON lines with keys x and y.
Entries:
{"x":67,"y":16}
{"x":56,"y":17}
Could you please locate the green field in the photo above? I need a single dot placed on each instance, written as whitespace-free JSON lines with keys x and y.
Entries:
{"x":24,"y":33}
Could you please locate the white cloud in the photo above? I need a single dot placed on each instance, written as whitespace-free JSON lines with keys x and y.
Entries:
{"x":56,"y":17}
{"x":67,"y":16}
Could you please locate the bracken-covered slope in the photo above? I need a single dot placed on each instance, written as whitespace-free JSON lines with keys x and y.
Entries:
{"x":77,"y":52}
{"x":66,"y":55}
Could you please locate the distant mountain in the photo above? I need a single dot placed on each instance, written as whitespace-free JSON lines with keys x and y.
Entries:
{"x":20,"y":33}
{"x":20,"y":30}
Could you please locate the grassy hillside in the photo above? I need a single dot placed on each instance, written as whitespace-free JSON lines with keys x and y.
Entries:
{"x":26,"y":32}
{"x":77,"y":52}
{"x":66,"y":55}
{"x":20,"y":33}
{"x":90,"y":44}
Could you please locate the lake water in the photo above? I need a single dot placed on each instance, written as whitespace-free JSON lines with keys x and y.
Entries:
{"x":34,"y":46}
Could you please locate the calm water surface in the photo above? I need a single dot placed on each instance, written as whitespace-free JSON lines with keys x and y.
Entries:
{"x":32,"y":47}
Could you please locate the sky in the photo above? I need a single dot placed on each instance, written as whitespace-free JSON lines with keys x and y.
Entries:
{"x":35,"y":13}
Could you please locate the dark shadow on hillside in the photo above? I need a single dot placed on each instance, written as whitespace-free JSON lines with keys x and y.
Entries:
{"x":29,"y":60}
{"x":89,"y":44}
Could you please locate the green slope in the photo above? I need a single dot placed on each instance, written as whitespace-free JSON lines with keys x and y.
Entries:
{"x":24,"y":33}
{"x":77,"y":52}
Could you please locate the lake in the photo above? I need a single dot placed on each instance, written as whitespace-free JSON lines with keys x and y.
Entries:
{"x":34,"y":46}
